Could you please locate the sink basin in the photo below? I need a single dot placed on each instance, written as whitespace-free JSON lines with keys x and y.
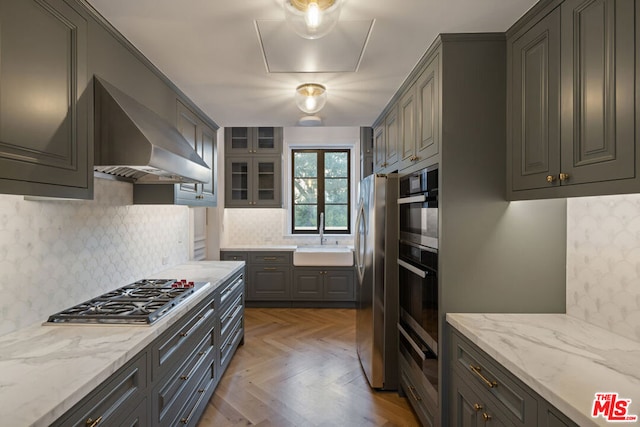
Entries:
{"x":323,"y":255}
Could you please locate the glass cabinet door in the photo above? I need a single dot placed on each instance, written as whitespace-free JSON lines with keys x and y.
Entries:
{"x":240,"y":139}
{"x":237,"y":181}
{"x":267,"y":182}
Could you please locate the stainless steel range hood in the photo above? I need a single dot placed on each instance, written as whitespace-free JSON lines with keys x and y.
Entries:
{"x":134,"y":142}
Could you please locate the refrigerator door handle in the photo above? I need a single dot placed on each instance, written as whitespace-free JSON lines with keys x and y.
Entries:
{"x":359,"y":243}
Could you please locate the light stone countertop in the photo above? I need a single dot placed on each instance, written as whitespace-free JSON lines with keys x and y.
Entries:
{"x":564,"y":359}
{"x":265,"y":248}
{"x":46,"y":369}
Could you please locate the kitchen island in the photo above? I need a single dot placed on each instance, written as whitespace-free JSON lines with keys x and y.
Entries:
{"x":47,"y":369}
{"x":563,"y":359}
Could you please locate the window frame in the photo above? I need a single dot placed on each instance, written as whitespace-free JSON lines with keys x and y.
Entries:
{"x":321,"y":204}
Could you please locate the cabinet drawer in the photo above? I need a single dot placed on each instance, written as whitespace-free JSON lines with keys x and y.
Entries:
{"x":230,"y":317}
{"x":468,"y":408}
{"x":234,"y":256}
{"x":118,"y":396}
{"x":178,"y":341}
{"x":418,"y":397}
{"x":197,"y":400}
{"x":230,"y":291}
{"x":228,"y":345}
{"x":177,"y":388}
{"x":507,"y":392}
{"x":270,"y":258}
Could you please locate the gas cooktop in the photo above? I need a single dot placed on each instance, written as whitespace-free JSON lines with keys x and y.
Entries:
{"x":142,"y":302}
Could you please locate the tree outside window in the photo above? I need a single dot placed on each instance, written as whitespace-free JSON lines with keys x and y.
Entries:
{"x":321,"y":183}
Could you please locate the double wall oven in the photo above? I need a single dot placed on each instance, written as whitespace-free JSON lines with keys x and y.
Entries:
{"x":418,"y":274}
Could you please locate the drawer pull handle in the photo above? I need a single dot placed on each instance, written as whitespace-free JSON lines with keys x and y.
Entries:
{"x":477,"y":407}
{"x":269,"y":258}
{"x":476,"y":370}
{"x":201,"y":353}
{"x":184,"y":377}
{"x":412,"y":390}
{"x":186,"y":419}
{"x":486,"y":417}
{"x":183,"y":334}
{"x":270,"y":268}
{"x":93,"y":423}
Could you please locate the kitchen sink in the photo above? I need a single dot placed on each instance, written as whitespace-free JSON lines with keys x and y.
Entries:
{"x":323,"y":255}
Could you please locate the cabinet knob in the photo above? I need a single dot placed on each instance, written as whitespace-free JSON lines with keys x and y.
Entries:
{"x":486,"y":417}
{"x":550,"y":178}
{"x":563,"y":176}
{"x":477,"y":407}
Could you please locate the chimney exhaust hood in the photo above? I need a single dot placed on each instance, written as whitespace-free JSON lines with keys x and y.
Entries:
{"x":133,"y":142}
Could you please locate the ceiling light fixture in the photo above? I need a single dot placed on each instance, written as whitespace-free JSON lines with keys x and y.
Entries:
{"x":312,"y":19}
{"x":311,"y":97}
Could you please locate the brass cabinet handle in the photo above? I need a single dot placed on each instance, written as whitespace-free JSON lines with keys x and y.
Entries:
{"x":184,"y":377}
{"x":476,"y":370}
{"x":93,"y":423}
{"x":550,"y":178}
{"x":412,"y":390}
{"x":486,"y":417}
{"x":183,"y":334}
{"x":270,"y":258}
{"x":270,"y":268}
{"x":477,"y":407}
{"x":563,"y":176}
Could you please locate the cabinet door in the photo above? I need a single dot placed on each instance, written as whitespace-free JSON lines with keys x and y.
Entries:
{"x":468,"y":408}
{"x":44,"y":100}
{"x":267,"y":176}
{"x":238,"y":140}
{"x":428,"y":110}
{"x":379,"y":148}
{"x":366,"y":151}
{"x":598,"y":53}
{"x":392,"y":126}
{"x":408,"y":127}
{"x":236,"y":174}
{"x":208,"y":140}
{"x":268,"y":283}
{"x":535,"y":101}
{"x":339,"y":285}
{"x":267,"y":140}
{"x":307,"y":284}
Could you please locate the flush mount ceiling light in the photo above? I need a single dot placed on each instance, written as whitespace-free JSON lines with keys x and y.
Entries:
{"x":311,"y":97}
{"x":312,"y":19}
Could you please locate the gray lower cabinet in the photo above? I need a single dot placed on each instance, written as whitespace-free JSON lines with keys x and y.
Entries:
{"x":45,"y":147}
{"x":272,"y":280}
{"x":572,"y":118}
{"x":203,"y":139}
{"x":170,"y":382}
{"x":323,"y":283}
{"x":483,"y":390}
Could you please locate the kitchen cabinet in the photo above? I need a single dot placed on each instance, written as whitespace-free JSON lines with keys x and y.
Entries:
{"x":170,"y":381}
{"x":366,"y":151}
{"x":386,"y":136}
{"x":253,"y":182}
{"x":203,"y":139}
{"x":323,"y":283}
{"x":273,"y":281}
{"x":253,"y":140}
{"x":574,"y":135}
{"x":45,"y":147}
{"x":483,"y":390}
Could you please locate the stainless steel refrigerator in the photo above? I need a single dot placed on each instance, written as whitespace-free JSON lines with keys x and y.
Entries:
{"x":376,"y":249}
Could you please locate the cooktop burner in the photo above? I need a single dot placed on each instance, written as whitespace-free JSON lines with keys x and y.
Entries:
{"x":141,"y":302}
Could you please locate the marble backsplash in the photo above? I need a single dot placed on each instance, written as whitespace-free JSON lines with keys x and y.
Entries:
{"x":603,"y":262}
{"x":251,"y":227}
{"x":54,"y":254}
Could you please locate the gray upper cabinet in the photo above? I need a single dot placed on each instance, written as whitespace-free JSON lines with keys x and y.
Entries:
{"x":44,"y":102}
{"x":598,"y":53}
{"x":256,"y":140}
{"x":253,"y":167}
{"x":419,"y":115}
{"x":386,"y":137}
{"x":535,"y":100}
{"x":203,"y":140}
{"x":366,"y":151}
{"x":572,"y":123}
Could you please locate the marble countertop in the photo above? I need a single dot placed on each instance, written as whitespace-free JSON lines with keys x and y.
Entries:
{"x":563,"y":359}
{"x":260,"y":248}
{"x":46,"y":369}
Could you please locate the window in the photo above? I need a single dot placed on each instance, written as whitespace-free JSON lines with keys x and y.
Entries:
{"x":321,"y":183}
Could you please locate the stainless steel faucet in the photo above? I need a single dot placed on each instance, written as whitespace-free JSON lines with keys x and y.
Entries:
{"x":322,"y":228}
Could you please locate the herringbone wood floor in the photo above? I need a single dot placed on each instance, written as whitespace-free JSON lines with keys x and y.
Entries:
{"x":299,"y":367}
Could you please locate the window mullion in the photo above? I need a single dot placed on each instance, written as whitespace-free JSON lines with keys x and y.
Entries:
{"x":321,"y":188}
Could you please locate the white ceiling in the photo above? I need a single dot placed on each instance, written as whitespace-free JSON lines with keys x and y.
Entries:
{"x":212,"y":51}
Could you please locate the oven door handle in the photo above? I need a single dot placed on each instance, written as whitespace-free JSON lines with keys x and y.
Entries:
{"x":414,"y":199}
{"x":412,"y":269}
{"x":411,"y":342}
